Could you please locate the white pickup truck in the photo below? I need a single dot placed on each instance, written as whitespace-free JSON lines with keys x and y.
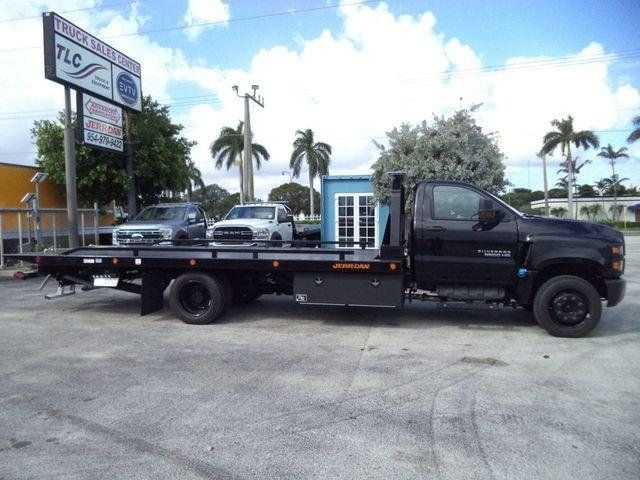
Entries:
{"x":254,"y":224}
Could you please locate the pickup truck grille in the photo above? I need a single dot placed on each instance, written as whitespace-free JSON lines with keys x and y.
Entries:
{"x":232,"y":234}
{"x":138,"y":236}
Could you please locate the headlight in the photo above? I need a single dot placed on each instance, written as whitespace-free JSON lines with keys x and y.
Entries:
{"x":114,"y":237}
{"x":167,"y":233}
{"x":209,"y":233}
{"x":261,"y":234}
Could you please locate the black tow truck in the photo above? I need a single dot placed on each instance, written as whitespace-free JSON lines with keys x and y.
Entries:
{"x":460,"y":243}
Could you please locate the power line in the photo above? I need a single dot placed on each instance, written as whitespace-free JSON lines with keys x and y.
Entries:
{"x":97,"y":7}
{"x":221,"y":22}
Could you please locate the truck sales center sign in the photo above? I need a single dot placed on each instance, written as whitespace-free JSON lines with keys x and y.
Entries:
{"x":75,"y":58}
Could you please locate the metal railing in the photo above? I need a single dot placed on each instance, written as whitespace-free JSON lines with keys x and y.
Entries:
{"x":27,"y":230}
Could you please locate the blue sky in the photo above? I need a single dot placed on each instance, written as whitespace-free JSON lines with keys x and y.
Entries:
{"x":351,"y":72}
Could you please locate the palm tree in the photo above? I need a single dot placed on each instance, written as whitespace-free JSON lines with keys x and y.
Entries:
{"x":195,"y":178}
{"x":317,"y":155}
{"x":563,"y":137}
{"x":558,"y":212}
{"x":612,"y":155}
{"x":228,"y":150}
{"x":635,"y":134}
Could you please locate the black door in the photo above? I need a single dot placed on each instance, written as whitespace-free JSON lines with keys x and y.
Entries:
{"x":452,"y":245}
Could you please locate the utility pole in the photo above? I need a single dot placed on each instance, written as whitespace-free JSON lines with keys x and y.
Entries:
{"x":70,"y":171}
{"x":247,"y":157}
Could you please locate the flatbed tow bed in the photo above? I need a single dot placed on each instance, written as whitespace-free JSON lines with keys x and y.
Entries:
{"x":207,"y":275}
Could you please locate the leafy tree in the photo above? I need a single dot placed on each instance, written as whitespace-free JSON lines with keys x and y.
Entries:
{"x":586,"y":190}
{"x":563,"y":137}
{"x":521,"y":198}
{"x":215,"y":200}
{"x":296,"y":196}
{"x":316,"y":154}
{"x":635,"y":134}
{"x":557,"y":193}
{"x":100,"y":175}
{"x":453,"y":148}
{"x":228,"y":150}
{"x":161,"y":154}
{"x":612,"y":155}
{"x":161,"y":159}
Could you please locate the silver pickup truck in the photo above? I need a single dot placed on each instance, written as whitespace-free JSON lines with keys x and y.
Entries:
{"x":162,"y":222}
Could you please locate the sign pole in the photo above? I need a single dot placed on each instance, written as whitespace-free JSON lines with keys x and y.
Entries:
{"x":70,"y":170}
{"x":131,"y":192}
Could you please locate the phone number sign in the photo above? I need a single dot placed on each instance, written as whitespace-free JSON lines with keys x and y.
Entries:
{"x":75,"y":58}
{"x":101,"y":123}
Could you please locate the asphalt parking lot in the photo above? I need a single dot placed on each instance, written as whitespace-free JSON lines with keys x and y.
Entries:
{"x":89,"y":389}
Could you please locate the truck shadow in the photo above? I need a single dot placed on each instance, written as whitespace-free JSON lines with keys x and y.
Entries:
{"x":419,"y":316}
{"x":413,"y":316}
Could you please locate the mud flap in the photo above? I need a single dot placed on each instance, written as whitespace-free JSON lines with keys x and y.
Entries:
{"x":154,"y":284}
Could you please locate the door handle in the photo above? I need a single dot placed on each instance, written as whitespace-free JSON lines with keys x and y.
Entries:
{"x":435,"y":228}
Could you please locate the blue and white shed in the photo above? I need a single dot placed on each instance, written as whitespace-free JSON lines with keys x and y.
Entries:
{"x":349,"y":213}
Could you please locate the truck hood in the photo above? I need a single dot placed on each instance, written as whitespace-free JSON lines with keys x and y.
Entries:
{"x":144,"y":225}
{"x":531,"y":227}
{"x":244,"y":222}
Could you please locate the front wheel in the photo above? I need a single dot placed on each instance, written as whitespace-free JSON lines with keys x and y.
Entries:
{"x":567,"y":306}
{"x":198,"y":298}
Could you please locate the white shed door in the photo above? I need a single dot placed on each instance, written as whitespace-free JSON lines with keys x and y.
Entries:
{"x":356,"y":218}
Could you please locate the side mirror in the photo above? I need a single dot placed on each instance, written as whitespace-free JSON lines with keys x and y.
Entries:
{"x":486,"y":212}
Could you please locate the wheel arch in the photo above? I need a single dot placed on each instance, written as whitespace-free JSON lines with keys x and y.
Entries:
{"x":586,"y":269}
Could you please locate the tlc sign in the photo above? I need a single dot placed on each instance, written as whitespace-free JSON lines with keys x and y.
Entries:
{"x":75,"y":58}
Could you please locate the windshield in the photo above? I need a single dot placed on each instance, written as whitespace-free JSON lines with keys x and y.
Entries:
{"x":162,"y":213}
{"x":263,"y":213}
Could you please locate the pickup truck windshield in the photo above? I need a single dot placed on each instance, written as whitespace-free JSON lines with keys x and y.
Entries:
{"x":162,"y":213}
{"x":263,"y":213}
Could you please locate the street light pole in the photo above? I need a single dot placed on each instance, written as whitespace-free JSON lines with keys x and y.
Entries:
{"x":247,"y":157}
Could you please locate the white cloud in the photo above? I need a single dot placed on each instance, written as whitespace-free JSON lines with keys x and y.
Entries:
{"x":204,"y":11}
{"x":349,"y":86}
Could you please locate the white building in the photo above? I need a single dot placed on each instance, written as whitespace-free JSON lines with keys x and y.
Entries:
{"x":629,"y":208}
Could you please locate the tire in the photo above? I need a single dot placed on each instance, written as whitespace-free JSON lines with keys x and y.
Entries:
{"x":567,"y":306}
{"x":179,"y":243}
{"x":276,"y":240}
{"x":197,"y":298}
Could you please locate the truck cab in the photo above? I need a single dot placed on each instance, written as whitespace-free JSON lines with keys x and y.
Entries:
{"x":468,"y":245}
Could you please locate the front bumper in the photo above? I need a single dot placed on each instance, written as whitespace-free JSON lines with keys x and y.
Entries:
{"x":615,"y":291}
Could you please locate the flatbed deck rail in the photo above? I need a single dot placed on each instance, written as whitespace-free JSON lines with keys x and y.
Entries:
{"x":204,"y":258}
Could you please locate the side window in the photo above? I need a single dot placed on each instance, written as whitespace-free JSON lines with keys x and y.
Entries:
{"x":282,"y":215}
{"x":451,"y":202}
{"x":199,"y":215}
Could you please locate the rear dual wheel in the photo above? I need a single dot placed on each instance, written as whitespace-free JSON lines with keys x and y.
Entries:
{"x":567,"y":306}
{"x":198,"y":298}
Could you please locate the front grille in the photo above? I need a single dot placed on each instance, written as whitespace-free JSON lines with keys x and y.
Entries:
{"x":232,"y":234}
{"x":138,"y":236}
